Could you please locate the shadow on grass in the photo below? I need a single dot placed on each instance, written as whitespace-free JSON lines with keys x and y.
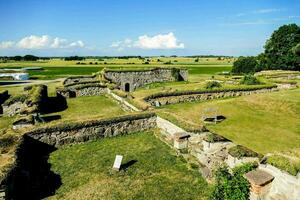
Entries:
{"x":32,"y":177}
{"x":125,"y":166}
{"x":51,"y":118}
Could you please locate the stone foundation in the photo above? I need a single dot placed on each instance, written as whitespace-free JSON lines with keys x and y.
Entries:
{"x":172,"y":99}
{"x":79,"y":79}
{"x":82,"y":91}
{"x":92,"y":130}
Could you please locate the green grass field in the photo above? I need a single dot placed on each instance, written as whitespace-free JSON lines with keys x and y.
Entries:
{"x":266,"y":123}
{"x":84,"y":108}
{"x":156,"y":172}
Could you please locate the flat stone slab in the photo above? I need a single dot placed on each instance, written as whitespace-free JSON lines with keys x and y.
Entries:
{"x":259,"y":177}
{"x":118,"y":162}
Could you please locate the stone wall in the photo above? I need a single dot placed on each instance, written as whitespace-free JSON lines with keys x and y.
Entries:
{"x":94,"y":90}
{"x":169,"y":99}
{"x":284,"y":186}
{"x":91,"y":130}
{"x":14,"y":108}
{"x":79,"y":79}
{"x":130,"y":80}
{"x":31,"y":102}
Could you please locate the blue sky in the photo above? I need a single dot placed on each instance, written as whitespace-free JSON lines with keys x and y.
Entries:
{"x":149,"y":27}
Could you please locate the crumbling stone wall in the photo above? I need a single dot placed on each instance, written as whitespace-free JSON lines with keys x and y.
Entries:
{"x":81,"y":132}
{"x":130,"y":80}
{"x":13,"y":109}
{"x":82,"y":91}
{"x":30,"y":102}
{"x":79,"y":79}
{"x":165,"y":100}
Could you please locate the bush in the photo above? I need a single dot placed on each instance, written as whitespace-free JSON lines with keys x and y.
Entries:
{"x":241,"y":151}
{"x":232,"y":186}
{"x":245,"y":65}
{"x":212,"y":137}
{"x":285,"y":164}
{"x":212,"y":84}
{"x":168,"y":63}
{"x":250,"y":80}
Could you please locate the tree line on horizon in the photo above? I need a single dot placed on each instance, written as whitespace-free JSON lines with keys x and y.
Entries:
{"x":281,"y":52}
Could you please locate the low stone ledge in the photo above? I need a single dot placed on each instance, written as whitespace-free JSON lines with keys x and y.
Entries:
{"x":191,"y":96}
{"x":90,"y":130}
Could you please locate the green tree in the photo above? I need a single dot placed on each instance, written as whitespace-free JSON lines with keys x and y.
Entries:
{"x":279,"y":49}
{"x":245,"y":65}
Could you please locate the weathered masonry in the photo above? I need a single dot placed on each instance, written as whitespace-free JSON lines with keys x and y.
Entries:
{"x":129,"y":80}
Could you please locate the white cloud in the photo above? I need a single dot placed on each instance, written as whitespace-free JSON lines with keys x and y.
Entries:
{"x":34,"y":42}
{"x":41,"y":42}
{"x":160,"y":41}
{"x":6,"y":44}
{"x":76,"y":44}
{"x":58,"y":43}
{"x":267,"y":10}
{"x":167,"y":41}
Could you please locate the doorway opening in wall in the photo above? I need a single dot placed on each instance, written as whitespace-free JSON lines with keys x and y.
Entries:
{"x":127,"y":87}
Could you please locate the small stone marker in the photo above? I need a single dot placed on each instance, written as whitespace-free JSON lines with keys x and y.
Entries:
{"x":118,"y":162}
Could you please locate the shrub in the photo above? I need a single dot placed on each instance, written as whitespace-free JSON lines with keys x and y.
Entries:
{"x":250,"y":80}
{"x":241,"y":151}
{"x":146,"y":63}
{"x":245,"y":65}
{"x":212,"y":84}
{"x":285,"y":164}
{"x":168,"y":63}
{"x":231,"y":186}
{"x":212,"y":137}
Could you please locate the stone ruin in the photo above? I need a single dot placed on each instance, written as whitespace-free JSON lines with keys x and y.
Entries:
{"x":210,"y":150}
{"x":29,"y":102}
{"x":129,"y":80}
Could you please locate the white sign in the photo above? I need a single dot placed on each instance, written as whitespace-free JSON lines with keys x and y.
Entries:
{"x":118,"y":162}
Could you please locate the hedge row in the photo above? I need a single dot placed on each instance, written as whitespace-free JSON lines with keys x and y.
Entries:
{"x":90,"y":123}
{"x":239,"y":151}
{"x":191,"y":92}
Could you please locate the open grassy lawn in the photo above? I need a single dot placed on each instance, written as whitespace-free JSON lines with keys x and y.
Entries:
{"x":266,"y":123}
{"x":84,"y":108}
{"x":153,"y":171}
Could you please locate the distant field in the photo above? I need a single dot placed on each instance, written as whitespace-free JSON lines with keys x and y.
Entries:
{"x":155,"y":171}
{"x":59,"y":68}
